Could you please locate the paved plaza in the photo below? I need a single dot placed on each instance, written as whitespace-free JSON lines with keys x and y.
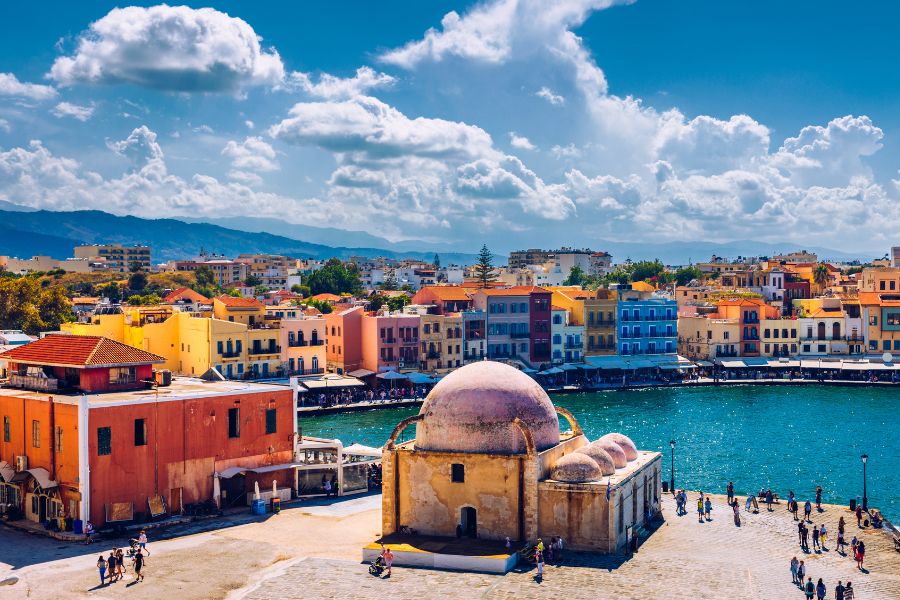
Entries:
{"x":313,"y":550}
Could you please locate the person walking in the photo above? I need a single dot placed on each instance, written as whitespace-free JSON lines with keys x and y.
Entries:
{"x":795,"y":564}
{"x":807,"y":511}
{"x":138,"y":565}
{"x":800,"y":533}
{"x":792,"y":507}
{"x":819,"y":498}
{"x":550,"y":547}
{"x":737,"y":513}
{"x":111,"y":566}
{"x":806,"y":538}
{"x":841,"y":525}
{"x":388,"y":560}
{"x":769,"y":499}
{"x":815,"y":537}
{"x":707,"y":508}
{"x":88,"y":532}
{"x":858,"y":515}
{"x":848,"y":592}
{"x":821,"y":590}
{"x":700,"y":508}
{"x":860,"y":554}
{"x":839,"y":591}
{"x":559,"y":549}
{"x":539,"y":559}
{"x":823,"y":533}
{"x":810,"y":589}
{"x":730,"y":491}
{"x":841,"y":543}
{"x":120,"y":563}
{"x":142,"y":540}
{"x":101,"y":566}
{"x":801,"y":573}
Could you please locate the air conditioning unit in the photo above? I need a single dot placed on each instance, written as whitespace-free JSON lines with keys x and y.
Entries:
{"x":401,"y":364}
{"x":21,"y":464}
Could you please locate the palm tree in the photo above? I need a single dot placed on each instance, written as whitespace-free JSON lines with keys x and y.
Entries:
{"x":820,"y":275}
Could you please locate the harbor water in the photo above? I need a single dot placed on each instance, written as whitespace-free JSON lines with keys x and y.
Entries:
{"x":783,"y":438}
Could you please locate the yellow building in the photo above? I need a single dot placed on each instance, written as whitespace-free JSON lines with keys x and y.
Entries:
{"x":441,"y":342}
{"x":881,"y":322}
{"x":780,"y":337}
{"x":886,"y":279}
{"x":705,"y":338}
{"x":488,"y":461}
{"x":600,"y":323}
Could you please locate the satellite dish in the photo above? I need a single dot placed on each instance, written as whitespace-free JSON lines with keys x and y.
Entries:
{"x":886,"y":357}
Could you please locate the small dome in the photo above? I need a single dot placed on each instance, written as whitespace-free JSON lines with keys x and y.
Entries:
{"x":472,"y":410}
{"x":601,"y":457}
{"x":576,"y":468}
{"x":614,"y":450}
{"x":625,"y":443}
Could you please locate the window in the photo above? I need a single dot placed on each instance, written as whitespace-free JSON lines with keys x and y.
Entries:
{"x":271,"y":420}
{"x":218,"y":347}
{"x":35,"y":434}
{"x":140,"y":432}
{"x":234,"y":422}
{"x":457,"y":473}
{"x":120,"y":375}
{"x":5,"y":429}
{"x":59,"y":440}
{"x":104,"y":441}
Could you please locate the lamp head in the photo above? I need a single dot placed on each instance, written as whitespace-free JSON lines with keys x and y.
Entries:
{"x":672,"y":444}
{"x":865,"y":458}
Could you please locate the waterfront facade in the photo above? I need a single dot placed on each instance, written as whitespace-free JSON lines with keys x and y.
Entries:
{"x":647,"y":323}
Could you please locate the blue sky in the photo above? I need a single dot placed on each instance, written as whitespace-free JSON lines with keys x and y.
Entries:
{"x":502,"y":121}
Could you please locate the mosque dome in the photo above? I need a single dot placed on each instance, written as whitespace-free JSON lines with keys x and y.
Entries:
{"x":576,"y":467}
{"x":614,"y":450}
{"x":624,"y":443}
{"x":601,"y":457}
{"x":472,"y":410}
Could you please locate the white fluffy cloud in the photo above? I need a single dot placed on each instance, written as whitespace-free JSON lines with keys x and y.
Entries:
{"x":11,"y":86}
{"x":551,"y":97}
{"x":520,"y":141}
{"x":249,"y":158}
{"x":330,"y":86}
{"x":173,"y":48}
{"x":74,"y":111}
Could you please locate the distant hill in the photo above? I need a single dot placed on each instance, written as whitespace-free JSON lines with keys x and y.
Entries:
{"x":170,"y":238}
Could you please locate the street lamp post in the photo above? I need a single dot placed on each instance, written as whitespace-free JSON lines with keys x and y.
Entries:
{"x":672,"y":480}
{"x":865,"y":504}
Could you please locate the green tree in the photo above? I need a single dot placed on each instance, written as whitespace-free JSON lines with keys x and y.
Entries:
{"x":297,"y":289}
{"x":577,"y":276}
{"x":259,"y":290}
{"x":398,"y":302}
{"x":390,"y":282}
{"x":25,"y":305}
{"x":406,"y":287}
{"x":204,"y":277}
{"x":253,"y":281}
{"x":324,"y":307}
{"x":137,"y":281}
{"x":484,"y":267}
{"x":665,"y":278}
{"x":335,"y":277}
{"x":112,"y":291}
{"x":619,"y":275}
{"x":376,"y":301}
{"x":646,"y":269}
{"x":437,"y":261}
{"x":135,"y":267}
{"x":820,"y":275}
{"x":685,"y":275}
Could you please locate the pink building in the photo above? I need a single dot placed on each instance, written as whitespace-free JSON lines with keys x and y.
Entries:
{"x":343,"y":335}
{"x":390,"y":342}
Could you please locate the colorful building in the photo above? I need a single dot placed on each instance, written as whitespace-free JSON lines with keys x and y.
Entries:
{"x":648,"y":323}
{"x":600,"y":323}
{"x":748,"y":312}
{"x":389,"y":342}
{"x":441,"y":342}
{"x":518,"y":323}
{"x":567,"y":339}
{"x":343,"y":331}
{"x":302,"y":340}
{"x":881,"y":322}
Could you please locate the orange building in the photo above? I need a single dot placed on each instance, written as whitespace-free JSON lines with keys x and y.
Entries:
{"x":343,"y":352}
{"x":83,"y":452}
{"x":747,"y":313}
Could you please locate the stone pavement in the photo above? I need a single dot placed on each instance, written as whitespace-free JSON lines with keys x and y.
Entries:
{"x":682,"y":559}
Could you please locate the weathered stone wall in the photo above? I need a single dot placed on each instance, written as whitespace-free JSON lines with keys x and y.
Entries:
{"x":577,"y":512}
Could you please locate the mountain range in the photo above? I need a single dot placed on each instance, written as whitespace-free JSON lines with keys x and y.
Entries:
{"x":26,"y":232}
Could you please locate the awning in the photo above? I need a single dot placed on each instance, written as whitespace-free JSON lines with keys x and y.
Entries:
{"x":529,"y":370}
{"x":705,"y":363}
{"x":418,"y":378}
{"x":552,"y":371}
{"x":606,"y":362}
{"x":360,"y":450}
{"x":331,"y":381}
{"x":676,"y":366}
{"x":588,"y":367}
{"x":783,"y":364}
{"x":361,"y":373}
{"x":6,"y":471}
{"x":41,"y":476}
{"x":641,"y":363}
{"x":756,"y":361}
{"x":568,"y":367}
{"x":820,"y":364}
{"x":734,"y":364}
{"x":390,"y":376}
{"x":232,"y":471}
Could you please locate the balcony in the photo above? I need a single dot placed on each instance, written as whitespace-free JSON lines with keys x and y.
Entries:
{"x":630,"y":318}
{"x":230,"y":354}
{"x":751,"y":338}
{"x":432,"y":355}
{"x":409,"y":340}
{"x":297,"y":343}
{"x":34,"y":382}
{"x":316,"y":342}
{"x":603,"y":323}
{"x":572,"y":346}
{"x":598,"y":347}
{"x":307,"y":372}
{"x":520,"y":334}
{"x":266,"y":350}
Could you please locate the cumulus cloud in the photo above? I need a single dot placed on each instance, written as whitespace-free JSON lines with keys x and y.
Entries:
{"x":330,"y":86}
{"x":551,"y":97}
{"x":520,"y":141}
{"x":11,"y":86}
{"x":174,"y":48}
{"x":74,"y":111}
{"x":249,"y":158}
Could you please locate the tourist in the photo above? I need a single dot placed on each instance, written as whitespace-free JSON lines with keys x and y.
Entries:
{"x":839,"y":591}
{"x":120,"y":563}
{"x":539,"y":559}
{"x":800,"y":532}
{"x":823,"y":533}
{"x":138,"y":565}
{"x":848,"y":592}
{"x":860,"y":554}
{"x":807,"y":511}
{"x":326,"y":483}
{"x":810,"y":589}
{"x":508,"y":543}
{"x":559,"y":548}
{"x":815,"y":537}
{"x":737,"y":513}
{"x":700,"y":508}
{"x":769,"y":499}
{"x":540,"y":545}
{"x":142,"y":539}
{"x":111,"y":566}
{"x":841,"y":543}
{"x":859,"y":514}
{"x":820,"y":590}
{"x":550,"y":549}
{"x":730,"y":491}
{"x":805,"y":543}
{"x":795,"y":564}
{"x":853,"y":544}
{"x":748,"y":502}
{"x":388,"y":560}
{"x":841,"y":525}
{"x":801,"y":572}
{"x":819,"y":498}
{"x":101,"y":565}
{"x":88,"y":532}
{"x":794,"y":508}
{"x":707,"y":508}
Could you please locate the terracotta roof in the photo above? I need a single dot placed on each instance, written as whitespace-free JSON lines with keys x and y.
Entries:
{"x":447,"y":292}
{"x":327,"y":297}
{"x":310,"y":311}
{"x":879,"y":298}
{"x":184,"y":293}
{"x":80,"y":351}
{"x":233,"y":302}
{"x":518,"y":290}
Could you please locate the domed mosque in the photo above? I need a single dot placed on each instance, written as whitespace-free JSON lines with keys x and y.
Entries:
{"x":488,"y":461}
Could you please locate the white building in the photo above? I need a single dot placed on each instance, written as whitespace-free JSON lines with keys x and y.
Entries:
{"x":566,"y":340}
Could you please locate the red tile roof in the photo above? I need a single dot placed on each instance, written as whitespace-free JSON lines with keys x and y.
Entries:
{"x":327,"y":297}
{"x":233,"y":302}
{"x":446,"y":292}
{"x":80,"y":351}
{"x":185,"y":293}
{"x":519,"y":290}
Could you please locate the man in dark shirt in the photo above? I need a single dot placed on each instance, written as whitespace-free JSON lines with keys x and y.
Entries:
{"x":839,"y":591}
{"x":111,"y":566}
{"x":730,"y":490}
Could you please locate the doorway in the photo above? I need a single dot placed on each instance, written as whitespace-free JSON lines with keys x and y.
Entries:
{"x":468,"y":519}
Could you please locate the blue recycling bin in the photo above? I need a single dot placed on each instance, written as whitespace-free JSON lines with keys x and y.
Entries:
{"x":258,"y":507}
{"x":78,"y":526}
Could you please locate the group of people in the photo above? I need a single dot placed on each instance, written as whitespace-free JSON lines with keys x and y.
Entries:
{"x":113,"y":568}
{"x":359,"y":394}
{"x":553,"y":550}
{"x":818,"y":590}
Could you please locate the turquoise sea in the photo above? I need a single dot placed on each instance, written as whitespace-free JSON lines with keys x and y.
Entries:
{"x":783,"y":438}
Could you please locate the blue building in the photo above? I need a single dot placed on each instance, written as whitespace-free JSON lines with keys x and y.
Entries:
{"x":648,"y":323}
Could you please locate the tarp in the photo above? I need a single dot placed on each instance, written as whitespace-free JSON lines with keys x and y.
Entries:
{"x":232,"y":471}
{"x":6,"y":471}
{"x":734,"y":364}
{"x":588,"y":367}
{"x":775,"y":363}
{"x":331,"y":381}
{"x":756,"y":361}
{"x":360,"y":450}
{"x":529,"y":370}
{"x":418,"y":378}
{"x":361,"y":373}
{"x":704,"y":363}
{"x":641,"y":363}
{"x":390,"y":376}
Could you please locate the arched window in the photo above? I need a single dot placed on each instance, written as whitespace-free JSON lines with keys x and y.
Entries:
{"x":315,"y":363}
{"x":836,"y":331}
{"x":821,"y":331}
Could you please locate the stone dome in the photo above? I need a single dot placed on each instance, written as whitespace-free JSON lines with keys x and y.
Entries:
{"x":624,"y":443}
{"x":601,"y":457}
{"x":614,"y":450}
{"x":472,"y":410}
{"x":576,"y":467}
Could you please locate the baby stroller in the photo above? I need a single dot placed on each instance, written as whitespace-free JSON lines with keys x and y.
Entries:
{"x":377,"y":567}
